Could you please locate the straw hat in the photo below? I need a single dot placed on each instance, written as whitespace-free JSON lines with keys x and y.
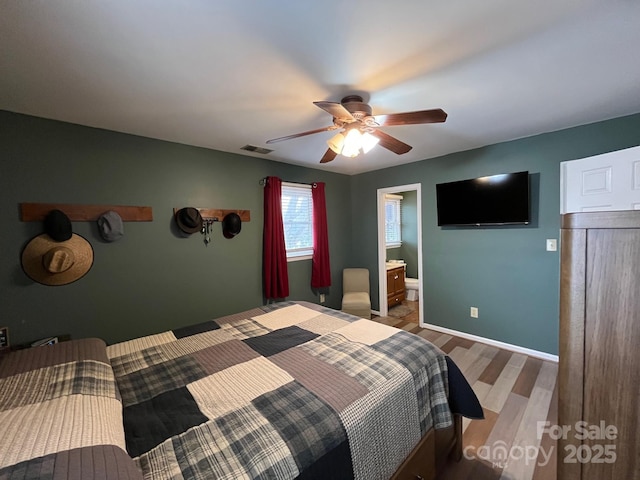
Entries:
{"x":57,"y":263}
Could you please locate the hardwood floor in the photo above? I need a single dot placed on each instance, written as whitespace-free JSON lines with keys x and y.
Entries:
{"x":518,"y":394}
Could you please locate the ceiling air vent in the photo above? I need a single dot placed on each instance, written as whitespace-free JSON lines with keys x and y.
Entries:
{"x":253,"y":148}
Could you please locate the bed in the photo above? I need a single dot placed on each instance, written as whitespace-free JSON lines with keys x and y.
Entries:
{"x":287,"y":390}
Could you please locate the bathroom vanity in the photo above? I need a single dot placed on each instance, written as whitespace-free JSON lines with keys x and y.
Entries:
{"x":395,"y":284}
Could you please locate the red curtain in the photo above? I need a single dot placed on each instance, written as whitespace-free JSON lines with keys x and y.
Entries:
{"x":320,"y":269}
{"x":276,"y":276}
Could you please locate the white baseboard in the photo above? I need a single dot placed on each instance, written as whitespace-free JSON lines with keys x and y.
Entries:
{"x":488,"y":341}
{"x":494,"y":343}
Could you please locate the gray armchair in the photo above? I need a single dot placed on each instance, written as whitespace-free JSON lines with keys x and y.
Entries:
{"x":355,"y":292}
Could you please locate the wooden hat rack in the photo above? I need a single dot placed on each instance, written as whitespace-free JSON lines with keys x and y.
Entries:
{"x":216,"y":214}
{"x":34,"y":212}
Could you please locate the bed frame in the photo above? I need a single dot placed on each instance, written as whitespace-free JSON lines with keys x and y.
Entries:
{"x":430,"y":455}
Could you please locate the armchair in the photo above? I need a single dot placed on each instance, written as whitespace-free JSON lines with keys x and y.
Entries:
{"x":355,"y":292}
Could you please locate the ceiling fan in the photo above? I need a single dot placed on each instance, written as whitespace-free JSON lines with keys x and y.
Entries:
{"x":360,"y":129}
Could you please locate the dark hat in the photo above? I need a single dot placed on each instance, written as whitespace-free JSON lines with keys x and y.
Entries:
{"x":51,"y":262}
{"x":189,"y":220}
{"x":58,"y":226}
{"x":231,"y":225}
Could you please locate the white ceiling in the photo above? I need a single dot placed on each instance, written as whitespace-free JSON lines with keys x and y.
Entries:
{"x":225,"y":73}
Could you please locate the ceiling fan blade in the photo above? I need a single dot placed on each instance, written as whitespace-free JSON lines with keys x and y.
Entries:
{"x":436,"y":115}
{"x":335,"y":109}
{"x":391,"y":143}
{"x":328,"y":156}
{"x":302,"y":134}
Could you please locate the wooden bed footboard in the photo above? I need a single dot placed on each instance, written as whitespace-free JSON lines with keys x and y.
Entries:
{"x":449,"y":442}
{"x":431,"y":454}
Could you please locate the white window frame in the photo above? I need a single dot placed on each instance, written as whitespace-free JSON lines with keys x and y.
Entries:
{"x":304,"y":252}
{"x":395,"y":201}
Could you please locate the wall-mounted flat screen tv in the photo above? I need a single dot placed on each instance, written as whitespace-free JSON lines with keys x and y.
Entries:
{"x":494,"y":200}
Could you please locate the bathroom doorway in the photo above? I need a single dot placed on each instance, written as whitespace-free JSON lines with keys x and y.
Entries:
{"x":384,"y":254}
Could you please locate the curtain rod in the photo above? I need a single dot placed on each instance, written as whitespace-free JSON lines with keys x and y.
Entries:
{"x":263,"y":182}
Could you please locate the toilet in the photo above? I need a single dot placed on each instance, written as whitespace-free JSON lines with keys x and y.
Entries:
{"x":411,"y":285}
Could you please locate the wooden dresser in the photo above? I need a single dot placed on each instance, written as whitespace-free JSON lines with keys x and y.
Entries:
{"x":395,"y":286}
{"x":599,"y":370}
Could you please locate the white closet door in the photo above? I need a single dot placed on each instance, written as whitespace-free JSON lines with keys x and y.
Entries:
{"x":610,"y":181}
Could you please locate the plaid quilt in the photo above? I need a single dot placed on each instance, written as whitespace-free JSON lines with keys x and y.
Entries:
{"x":289,"y":390}
{"x":61,"y":415}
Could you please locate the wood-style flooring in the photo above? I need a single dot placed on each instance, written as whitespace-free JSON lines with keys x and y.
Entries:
{"x":518,"y":394}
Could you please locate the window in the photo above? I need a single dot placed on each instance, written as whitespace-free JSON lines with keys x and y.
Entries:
{"x":297,"y":217}
{"x":393,"y":220}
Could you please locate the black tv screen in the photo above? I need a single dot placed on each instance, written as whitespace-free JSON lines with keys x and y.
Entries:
{"x":494,"y":200}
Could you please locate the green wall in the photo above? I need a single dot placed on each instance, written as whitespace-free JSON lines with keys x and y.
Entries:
{"x":409,"y":249}
{"x":153,"y":279}
{"x":504,"y":271}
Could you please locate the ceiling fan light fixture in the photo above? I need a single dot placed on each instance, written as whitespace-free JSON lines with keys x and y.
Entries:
{"x":368,"y":142}
{"x":352,"y":143}
{"x":336,"y":143}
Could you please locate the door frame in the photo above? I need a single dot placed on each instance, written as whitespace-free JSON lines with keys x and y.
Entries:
{"x":382,"y":251}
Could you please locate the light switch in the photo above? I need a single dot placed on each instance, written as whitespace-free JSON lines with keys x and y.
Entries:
{"x":552,"y":245}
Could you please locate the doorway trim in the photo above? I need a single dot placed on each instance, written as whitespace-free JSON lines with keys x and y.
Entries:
{"x":382,"y":251}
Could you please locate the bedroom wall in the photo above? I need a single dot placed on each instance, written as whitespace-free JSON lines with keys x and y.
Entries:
{"x":152,"y":279}
{"x":409,"y":249}
{"x":504,"y":271}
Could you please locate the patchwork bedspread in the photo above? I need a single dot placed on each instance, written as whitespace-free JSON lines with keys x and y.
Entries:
{"x":290,"y":390}
{"x":61,"y":415}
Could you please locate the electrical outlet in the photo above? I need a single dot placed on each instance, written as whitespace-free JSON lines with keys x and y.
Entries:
{"x":474,"y":312}
{"x":322,"y":298}
{"x":552,"y":245}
